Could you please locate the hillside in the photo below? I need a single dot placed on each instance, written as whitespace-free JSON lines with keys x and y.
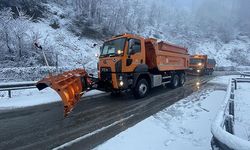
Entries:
{"x":72,"y":32}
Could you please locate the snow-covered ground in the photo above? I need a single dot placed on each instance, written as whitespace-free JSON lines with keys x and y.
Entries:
{"x":186,"y":124}
{"x":242,"y":111}
{"x":32,"y":97}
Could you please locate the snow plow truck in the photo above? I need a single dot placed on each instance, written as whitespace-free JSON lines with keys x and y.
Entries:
{"x":126,"y":62}
{"x":201,"y":65}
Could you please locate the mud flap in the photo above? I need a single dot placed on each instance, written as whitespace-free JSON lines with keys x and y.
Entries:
{"x":70,"y":85}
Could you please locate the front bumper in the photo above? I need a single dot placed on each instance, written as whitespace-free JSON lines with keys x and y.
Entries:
{"x":113,"y":81}
{"x":195,"y":71}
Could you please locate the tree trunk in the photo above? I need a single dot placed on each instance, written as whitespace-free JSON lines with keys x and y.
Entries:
{"x":19,"y":47}
{"x":7,"y":42}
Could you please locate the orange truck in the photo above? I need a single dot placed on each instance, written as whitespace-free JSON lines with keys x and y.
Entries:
{"x":126,"y":62}
{"x":201,"y":65}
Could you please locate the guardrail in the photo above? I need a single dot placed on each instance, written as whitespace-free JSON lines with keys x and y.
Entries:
{"x":17,"y":86}
{"x":245,"y":74}
{"x":223,"y":126}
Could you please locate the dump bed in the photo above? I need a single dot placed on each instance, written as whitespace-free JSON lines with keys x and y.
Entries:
{"x":165,"y":56}
{"x":211,"y":63}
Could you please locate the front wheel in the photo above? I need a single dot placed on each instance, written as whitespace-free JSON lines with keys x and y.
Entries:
{"x":141,"y":89}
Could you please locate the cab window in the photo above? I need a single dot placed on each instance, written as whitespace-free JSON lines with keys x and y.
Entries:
{"x":134,"y":46}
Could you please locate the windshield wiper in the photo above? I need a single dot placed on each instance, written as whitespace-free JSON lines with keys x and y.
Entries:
{"x":104,"y":55}
{"x":112,"y":55}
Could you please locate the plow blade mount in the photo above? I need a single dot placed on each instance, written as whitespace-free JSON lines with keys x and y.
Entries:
{"x":69,"y":85}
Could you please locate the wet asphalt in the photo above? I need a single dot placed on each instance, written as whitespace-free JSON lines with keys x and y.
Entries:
{"x":43,"y":127}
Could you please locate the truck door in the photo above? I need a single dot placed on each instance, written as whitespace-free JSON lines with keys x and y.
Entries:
{"x":134,"y":54}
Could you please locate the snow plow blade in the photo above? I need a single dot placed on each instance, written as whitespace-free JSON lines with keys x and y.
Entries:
{"x":70,"y":85}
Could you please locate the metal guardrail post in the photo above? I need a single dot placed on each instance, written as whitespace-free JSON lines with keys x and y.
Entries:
{"x":232,"y":96}
{"x":229,"y":124}
{"x":232,"y":93}
{"x":9,"y":93}
{"x":235,"y":84}
{"x":231,"y":108}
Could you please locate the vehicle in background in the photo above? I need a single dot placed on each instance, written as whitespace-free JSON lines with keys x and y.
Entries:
{"x":201,"y":65}
{"x":126,"y":62}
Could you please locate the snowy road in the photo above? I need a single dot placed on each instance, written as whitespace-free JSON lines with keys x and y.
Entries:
{"x":95,"y":119}
{"x":185,"y":124}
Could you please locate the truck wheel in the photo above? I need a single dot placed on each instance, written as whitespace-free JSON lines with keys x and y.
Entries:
{"x":175,"y":81}
{"x":182,"y":79}
{"x":211,"y":72}
{"x":208,"y":72}
{"x":141,"y":89}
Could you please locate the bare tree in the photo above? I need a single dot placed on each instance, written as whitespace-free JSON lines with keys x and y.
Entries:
{"x":5,"y":21}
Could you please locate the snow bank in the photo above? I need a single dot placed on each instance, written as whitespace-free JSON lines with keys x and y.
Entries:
{"x":242,"y":105}
{"x":218,"y":129}
{"x":186,"y":124}
{"x":33,"y":97}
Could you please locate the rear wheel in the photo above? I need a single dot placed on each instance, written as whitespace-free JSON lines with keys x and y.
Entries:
{"x":141,"y":89}
{"x":182,"y":79}
{"x":211,"y":72}
{"x":174,"y":81}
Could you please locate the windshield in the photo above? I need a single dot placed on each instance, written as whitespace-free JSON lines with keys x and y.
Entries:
{"x":113,"y":47}
{"x":196,"y":61}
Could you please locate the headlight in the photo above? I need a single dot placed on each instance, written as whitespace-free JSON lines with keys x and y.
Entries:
{"x":119,"y":52}
{"x":96,"y":55}
{"x":121,"y":83}
{"x":198,"y":84}
{"x":198,"y":71}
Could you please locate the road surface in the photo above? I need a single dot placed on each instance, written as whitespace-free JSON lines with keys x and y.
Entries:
{"x":95,"y":119}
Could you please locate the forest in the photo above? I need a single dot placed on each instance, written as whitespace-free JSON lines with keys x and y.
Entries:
{"x":188,"y":23}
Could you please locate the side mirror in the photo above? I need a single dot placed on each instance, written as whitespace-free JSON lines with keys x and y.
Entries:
{"x":134,"y":49}
{"x":134,"y":46}
{"x":97,"y":55}
{"x":101,"y":47}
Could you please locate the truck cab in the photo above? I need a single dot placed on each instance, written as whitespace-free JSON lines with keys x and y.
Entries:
{"x":119,"y":59}
{"x":200,"y":65}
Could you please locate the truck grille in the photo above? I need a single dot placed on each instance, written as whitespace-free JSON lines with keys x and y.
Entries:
{"x":106,"y":74}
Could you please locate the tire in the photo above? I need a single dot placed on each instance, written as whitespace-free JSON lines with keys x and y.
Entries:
{"x":212,"y":71}
{"x":141,"y":89}
{"x":174,"y":81}
{"x":209,"y":72}
{"x":182,"y":79}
